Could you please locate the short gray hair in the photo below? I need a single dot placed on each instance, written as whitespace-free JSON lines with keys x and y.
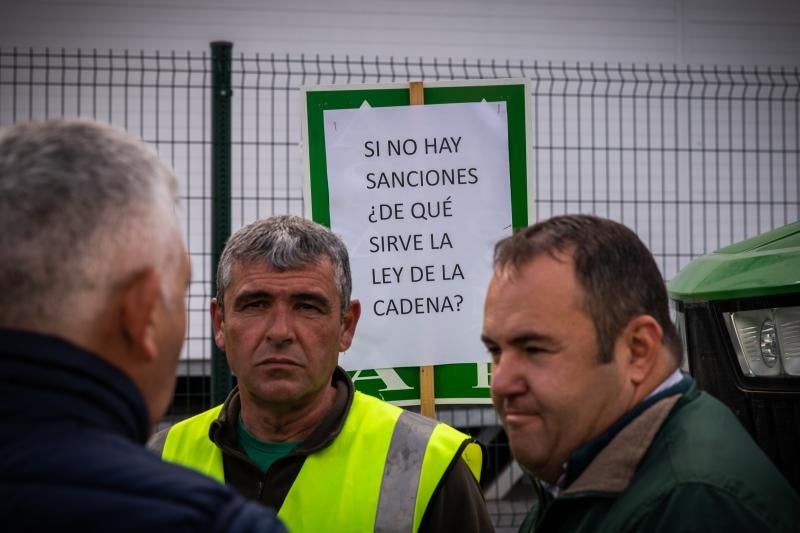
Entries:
{"x":79,"y":210}
{"x":285,"y":242}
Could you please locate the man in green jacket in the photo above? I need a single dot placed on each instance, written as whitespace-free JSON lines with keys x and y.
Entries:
{"x":294,"y":435}
{"x":587,"y":383}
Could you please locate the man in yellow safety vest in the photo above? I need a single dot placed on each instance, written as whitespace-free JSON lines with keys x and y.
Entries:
{"x":294,"y":434}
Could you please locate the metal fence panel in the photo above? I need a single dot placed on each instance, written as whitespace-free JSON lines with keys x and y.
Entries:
{"x":162,"y":98}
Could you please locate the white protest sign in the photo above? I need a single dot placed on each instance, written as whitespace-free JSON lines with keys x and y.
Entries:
{"x":419,"y":194}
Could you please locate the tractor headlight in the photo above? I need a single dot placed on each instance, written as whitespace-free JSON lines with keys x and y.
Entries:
{"x":679,"y":319}
{"x":767,"y":341}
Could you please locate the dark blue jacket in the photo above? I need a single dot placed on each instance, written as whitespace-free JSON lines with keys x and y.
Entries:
{"x":72,"y":429}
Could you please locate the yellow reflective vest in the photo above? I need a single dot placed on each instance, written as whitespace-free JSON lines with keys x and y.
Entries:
{"x":378,"y":474}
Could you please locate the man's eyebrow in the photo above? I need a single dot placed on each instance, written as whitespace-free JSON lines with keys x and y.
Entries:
{"x":522,"y":338}
{"x":530,"y":336}
{"x":247,"y":296}
{"x":312,"y":297}
{"x":250,"y":295}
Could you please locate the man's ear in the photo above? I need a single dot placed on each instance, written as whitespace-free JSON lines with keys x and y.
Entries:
{"x":641,"y":345}
{"x":139,"y":300}
{"x":349,"y":322}
{"x":218,"y":322}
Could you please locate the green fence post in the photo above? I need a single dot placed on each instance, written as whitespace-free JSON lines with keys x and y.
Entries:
{"x":221,"y":381}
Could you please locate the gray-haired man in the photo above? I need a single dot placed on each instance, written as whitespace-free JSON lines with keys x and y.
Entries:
{"x":294,"y":434}
{"x":93,"y":276}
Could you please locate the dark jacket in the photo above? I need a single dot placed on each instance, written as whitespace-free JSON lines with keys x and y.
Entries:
{"x":457,"y":505}
{"x":684,"y":464}
{"x":72,"y":455}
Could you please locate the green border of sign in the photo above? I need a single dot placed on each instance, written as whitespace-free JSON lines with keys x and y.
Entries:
{"x":455,"y":383}
{"x":462,"y":383}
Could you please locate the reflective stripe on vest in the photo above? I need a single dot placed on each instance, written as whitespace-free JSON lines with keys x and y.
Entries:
{"x":373,"y":476}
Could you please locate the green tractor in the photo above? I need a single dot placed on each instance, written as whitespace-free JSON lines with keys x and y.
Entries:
{"x":738,"y":311}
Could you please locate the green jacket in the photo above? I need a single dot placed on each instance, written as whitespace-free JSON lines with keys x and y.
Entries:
{"x":684,"y":464}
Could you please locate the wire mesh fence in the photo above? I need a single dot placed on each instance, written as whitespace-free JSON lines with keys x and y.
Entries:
{"x":690,"y":158}
{"x":163,"y":99}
